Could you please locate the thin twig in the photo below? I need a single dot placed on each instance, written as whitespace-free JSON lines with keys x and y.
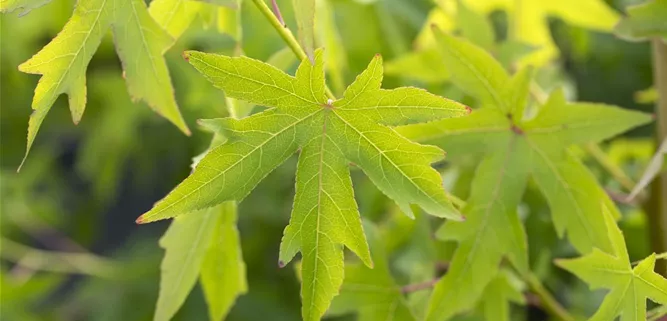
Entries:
{"x":619,"y":197}
{"x":419,"y":286}
{"x":615,"y":171}
{"x":276,"y":11}
{"x":547,"y":301}
{"x":64,"y":262}
{"x":656,"y":314}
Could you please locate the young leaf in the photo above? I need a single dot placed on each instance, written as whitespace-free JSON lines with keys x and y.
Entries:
{"x":372,"y":293}
{"x":646,"y":20}
{"x":330,"y":134}
{"x":140,"y":43}
{"x":205,"y":245}
{"x":629,"y":287}
{"x":515,"y":149}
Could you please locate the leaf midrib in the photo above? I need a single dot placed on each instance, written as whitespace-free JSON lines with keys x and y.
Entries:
{"x":76,"y":55}
{"x":476,"y":73}
{"x":493,"y":200}
{"x":566,"y":188}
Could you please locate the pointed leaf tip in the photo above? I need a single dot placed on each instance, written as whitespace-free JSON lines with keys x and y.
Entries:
{"x":186,"y":55}
{"x":281,"y":264}
{"x":140,"y":220}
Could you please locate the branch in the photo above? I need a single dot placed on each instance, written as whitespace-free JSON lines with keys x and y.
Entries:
{"x":546,"y":299}
{"x":419,"y":286}
{"x":656,"y":206}
{"x":286,"y":34}
{"x":64,"y":262}
{"x":615,"y":171}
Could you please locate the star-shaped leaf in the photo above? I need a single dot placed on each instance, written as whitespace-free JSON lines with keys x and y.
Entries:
{"x":630,"y":287}
{"x":644,"y":21}
{"x":513,"y":149}
{"x":329,"y":134}
{"x":140,"y":43}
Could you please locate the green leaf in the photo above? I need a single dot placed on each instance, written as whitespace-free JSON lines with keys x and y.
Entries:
{"x":629,"y":287}
{"x":204,"y":244}
{"x":186,"y":243}
{"x":475,"y":27}
{"x":646,"y":20}
{"x":223,"y":276}
{"x":423,"y":65}
{"x":304,"y":12}
{"x":175,"y":16}
{"x":330,"y":135}
{"x":475,"y":71}
{"x":515,"y":149}
{"x":140,"y":43}
{"x":491,"y":219}
{"x":373,"y":293}
{"x":25,"y":6}
{"x":529,"y":21}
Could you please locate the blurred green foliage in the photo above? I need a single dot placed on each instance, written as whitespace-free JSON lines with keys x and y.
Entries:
{"x":83,"y":186}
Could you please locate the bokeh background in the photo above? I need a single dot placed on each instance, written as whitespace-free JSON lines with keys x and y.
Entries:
{"x":83,"y":185}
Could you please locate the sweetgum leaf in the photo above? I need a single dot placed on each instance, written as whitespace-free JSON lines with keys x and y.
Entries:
{"x":629,"y":287}
{"x":186,"y":242}
{"x":330,"y":135}
{"x":515,"y":149}
{"x":223,"y":275}
{"x":140,"y":43}
{"x":204,"y":245}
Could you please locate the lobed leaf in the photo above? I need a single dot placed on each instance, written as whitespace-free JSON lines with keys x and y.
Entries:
{"x":515,"y":149}
{"x":330,"y":135}
{"x":140,"y":43}
{"x":630,"y":287}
